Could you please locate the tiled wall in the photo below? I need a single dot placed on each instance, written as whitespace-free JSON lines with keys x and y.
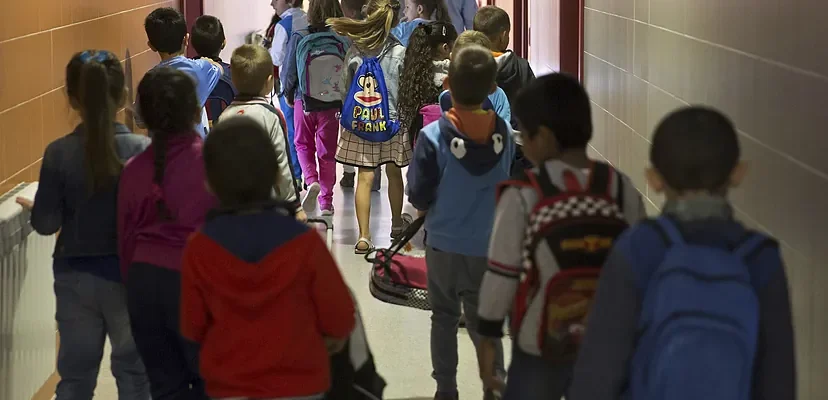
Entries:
{"x":761,"y":61}
{"x":37,"y":38}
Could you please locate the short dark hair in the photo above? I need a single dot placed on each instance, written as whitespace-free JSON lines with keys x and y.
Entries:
{"x":472,"y":73}
{"x":491,"y":21}
{"x":166,"y":29}
{"x":250,"y":66}
{"x":207,"y":36}
{"x":695,"y":148}
{"x":240,"y":162}
{"x":320,"y":10}
{"x":559,"y":102}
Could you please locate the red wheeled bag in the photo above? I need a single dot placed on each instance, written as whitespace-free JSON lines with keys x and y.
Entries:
{"x":400,"y":279}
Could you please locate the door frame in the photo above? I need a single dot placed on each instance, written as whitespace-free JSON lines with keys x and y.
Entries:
{"x":192,"y":9}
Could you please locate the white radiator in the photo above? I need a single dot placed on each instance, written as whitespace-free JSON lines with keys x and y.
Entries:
{"x":27,"y":301}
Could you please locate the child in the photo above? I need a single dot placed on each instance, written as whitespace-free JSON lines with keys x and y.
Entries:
{"x":417,"y":12}
{"x":312,"y":83}
{"x":468,"y":151}
{"x":424,"y":72}
{"x":462,"y":13}
{"x":167,"y":33}
{"x":354,"y":9}
{"x":374,"y":44}
{"x":555,"y":116}
{"x":513,"y":71}
{"x":497,"y":99}
{"x":695,"y":161}
{"x":291,"y":19}
{"x":76,"y":197}
{"x":208,"y":41}
{"x":253,"y":78}
{"x":162,"y":199}
{"x":259,"y":290}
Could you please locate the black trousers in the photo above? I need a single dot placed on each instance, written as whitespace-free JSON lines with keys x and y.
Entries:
{"x":153,"y":297}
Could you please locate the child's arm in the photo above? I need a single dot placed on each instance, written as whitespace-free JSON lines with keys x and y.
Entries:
{"x":610,"y":339}
{"x":331,"y":297}
{"x":208,"y":74}
{"x":285,"y":189}
{"x":775,"y":366}
{"x":194,"y":315}
{"x":423,"y":174}
{"x":47,"y":210}
{"x":289,"y":78}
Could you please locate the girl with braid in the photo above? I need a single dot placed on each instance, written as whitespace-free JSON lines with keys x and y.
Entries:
{"x":162,"y":199}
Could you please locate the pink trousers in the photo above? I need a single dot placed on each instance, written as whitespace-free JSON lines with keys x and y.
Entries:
{"x":315,"y":140}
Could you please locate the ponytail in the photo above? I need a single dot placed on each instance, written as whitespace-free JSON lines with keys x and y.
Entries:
{"x":159,"y":157}
{"x":372,"y":32}
{"x":95,"y":84}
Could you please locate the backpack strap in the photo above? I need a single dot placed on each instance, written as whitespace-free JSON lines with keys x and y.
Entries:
{"x":668,"y":231}
{"x":543,"y":182}
{"x":752,"y":245}
{"x":600,"y":179}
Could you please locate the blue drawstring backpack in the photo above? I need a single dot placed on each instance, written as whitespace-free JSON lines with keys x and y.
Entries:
{"x":365,"y":110}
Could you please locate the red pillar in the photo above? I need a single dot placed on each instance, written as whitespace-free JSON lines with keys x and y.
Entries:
{"x":572,"y":37}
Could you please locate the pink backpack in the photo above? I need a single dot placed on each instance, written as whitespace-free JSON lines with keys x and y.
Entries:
{"x":429,"y":114}
{"x":398,"y":278}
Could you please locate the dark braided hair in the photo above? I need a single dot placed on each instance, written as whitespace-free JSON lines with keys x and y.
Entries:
{"x":417,"y":88}
{"x":169,"y":107}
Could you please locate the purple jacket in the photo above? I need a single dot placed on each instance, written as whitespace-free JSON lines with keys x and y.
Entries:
{"x":142,"y":237}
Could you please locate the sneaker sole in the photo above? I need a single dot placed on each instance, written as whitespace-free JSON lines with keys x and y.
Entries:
{"x":309,"y":201}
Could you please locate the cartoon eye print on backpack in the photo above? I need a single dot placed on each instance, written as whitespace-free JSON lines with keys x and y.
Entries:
{"x":458,"y":148}
{"x":368,"y":96}
{"x":498,"y":143}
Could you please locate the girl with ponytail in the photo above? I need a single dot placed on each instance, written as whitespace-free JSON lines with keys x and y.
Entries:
{"x":418,"y":12}
{"x":76,"y":196}
{"x":162,"y":199}
{"x":372,"y":43}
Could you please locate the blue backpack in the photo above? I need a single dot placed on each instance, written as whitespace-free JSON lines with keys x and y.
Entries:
{"x":320,"y":56}
{"x":365,"y":111}
{"x":699,"y":322}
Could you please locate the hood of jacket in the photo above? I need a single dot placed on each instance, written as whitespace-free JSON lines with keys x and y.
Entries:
{"x":477,"y":157}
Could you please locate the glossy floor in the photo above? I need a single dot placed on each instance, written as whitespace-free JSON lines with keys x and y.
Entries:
{"x":399,"y":337}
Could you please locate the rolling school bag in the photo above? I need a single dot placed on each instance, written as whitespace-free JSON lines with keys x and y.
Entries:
{"x":699,"y":320}
{"x":400,"y":279}
{"x":320,"y":57}
{"x":365,"y":110}
{"x":578,"y":226}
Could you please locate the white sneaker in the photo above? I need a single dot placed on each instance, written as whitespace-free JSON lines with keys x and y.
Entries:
{"x":309,"y":201}
{"x":328,"y":212}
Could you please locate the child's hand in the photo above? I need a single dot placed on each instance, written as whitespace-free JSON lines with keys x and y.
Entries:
{"x":301,"y":216}
{"x":421,"y":213}
{"x":335,"y":345}
{"x":486,"y":360}
{"x":25,"y":203}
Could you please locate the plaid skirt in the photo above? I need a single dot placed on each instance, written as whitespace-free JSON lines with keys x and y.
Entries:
{"x":353,"y":150}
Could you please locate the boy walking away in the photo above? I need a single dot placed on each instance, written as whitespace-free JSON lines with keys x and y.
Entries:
{"x":466,"y":153}
{"x":553,"y":229}
{"x":513,"y":71}
{"x":251,"y":268}
{"x":691,"y":305}
{"x":313,"y":86}
{"x":253,"y":78}
{"x":292,"y":19}
{"x":208,"y":42}
{"x":167,"y":34}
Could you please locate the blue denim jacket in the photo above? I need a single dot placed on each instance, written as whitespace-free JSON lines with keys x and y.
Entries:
{"x":63,"y":202}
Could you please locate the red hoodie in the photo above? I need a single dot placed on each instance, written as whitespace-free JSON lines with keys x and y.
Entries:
{"x":259,"y":292}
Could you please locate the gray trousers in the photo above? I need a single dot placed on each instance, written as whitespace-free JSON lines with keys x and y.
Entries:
{"x":89,"y":309}
{"x":453,"y":279}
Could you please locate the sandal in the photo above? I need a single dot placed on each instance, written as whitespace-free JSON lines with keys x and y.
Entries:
{"x":369,"y":247}
{"x":397,"y":231}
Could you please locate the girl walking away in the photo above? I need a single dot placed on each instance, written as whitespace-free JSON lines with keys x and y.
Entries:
{"x":77,"y":196}
{"x":417,"y":12}
{"x":425,"y":69}
{"x":162,"y":199}
{"x":313,"y":87}
{"x":370,"y":136}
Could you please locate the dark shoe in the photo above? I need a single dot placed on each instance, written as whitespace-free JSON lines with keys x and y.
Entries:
{"x":348,"y":179}
{"x":462,"y":323}
{"x":446,"y":396}
{"x":375,"y":186}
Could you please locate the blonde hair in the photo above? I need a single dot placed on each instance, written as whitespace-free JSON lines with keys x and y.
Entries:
{"x":250,"y":67}
{"x":372,"y":32}
{"x":469,"y":38}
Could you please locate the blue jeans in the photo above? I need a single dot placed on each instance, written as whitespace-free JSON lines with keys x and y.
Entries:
{"x":453,"y":279}
{"x":533,"y":378}
{"x":89,"y":309}
{"x":294,"y":159}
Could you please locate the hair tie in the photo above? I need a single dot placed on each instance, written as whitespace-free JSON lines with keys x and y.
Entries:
{"x":427,"y":28}
{"x":99,"y":56}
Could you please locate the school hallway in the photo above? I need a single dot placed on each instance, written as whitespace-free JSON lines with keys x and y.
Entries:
{"x":398,"y":336}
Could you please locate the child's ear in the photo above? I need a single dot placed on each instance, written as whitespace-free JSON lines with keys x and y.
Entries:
{"x":737,"y":176}
{"x":446,"y":84}
{"x":186,"y":42}
{"x":270,"y":83}
{"x":505,"y":39}
{"x":420,"y":9}
{"x":655,"y":180}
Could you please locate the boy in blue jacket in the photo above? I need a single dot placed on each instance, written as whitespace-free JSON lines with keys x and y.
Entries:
{"x":693,"y":294}
{"x":458,"y":162}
